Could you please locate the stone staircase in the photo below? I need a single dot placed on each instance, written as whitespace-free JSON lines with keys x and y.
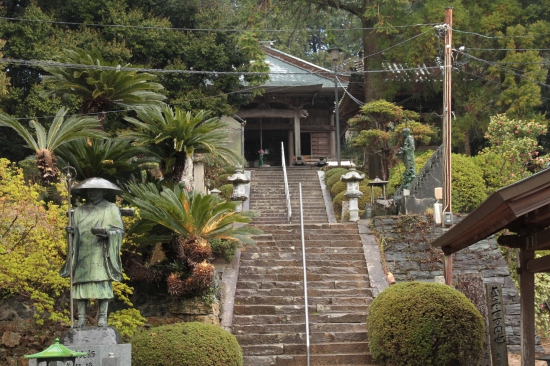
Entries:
{"x":269,"y":319}
{"x":267,"y":196}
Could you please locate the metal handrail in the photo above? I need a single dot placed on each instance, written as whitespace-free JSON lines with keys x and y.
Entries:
{"x":305,"y":274}
{"x":287,"y":191}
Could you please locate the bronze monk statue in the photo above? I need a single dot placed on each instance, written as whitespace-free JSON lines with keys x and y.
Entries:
{"x":406,"y":152}
{"x":98,"y":230}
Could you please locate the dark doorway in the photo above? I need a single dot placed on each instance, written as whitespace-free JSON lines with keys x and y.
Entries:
{"x":271,"y":143}
{"x":305,"y":143}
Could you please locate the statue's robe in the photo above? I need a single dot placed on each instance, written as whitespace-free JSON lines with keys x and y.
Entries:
{"x":96,"y":260}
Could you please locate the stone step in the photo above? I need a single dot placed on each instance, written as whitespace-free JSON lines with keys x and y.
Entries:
{"x":299,"y":337}
{"x":363,"y":359}
{"x":315,"y":349}
{"x":312,"y":300}
{"x":296,"y":242}
{"x":297,"y":328}
{"x":246,"y":285}
{"x":296,"y":309}
{"x":298,"y":270}
{"x":297,"y":255}
{"x":355,"y":317}
{"x":322,"y":262}
{"x":346,"y":292}
{"x":295,"y":277}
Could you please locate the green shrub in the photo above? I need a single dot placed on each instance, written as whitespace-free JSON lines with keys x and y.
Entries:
{"x":468,"y":189}
{"x":334,"y":171}
{"x":497,"y":173}
{"x":225,"y":249}
{"x":333,"y":180}
{"x":227,"y":191}
{"x":424,"y":324}
{"x":396,"y":173}
{"x":221,"y":180}
{"x":337,"y":188}
{"x":186,"y":344}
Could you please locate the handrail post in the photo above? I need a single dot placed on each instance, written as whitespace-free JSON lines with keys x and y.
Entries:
{"x":287,"y":191}
{"x":305,"y":274}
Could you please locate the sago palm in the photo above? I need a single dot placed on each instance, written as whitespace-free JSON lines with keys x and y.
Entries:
{"x":174,"y":136}
{"x":187,"y":214}
{"x":44,"y":144}
{"x":101,"y":84}
{"x":114,"y":160}
{"x":185,"y":222}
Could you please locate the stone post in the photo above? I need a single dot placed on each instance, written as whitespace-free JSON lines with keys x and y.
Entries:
{"x":352,"y":179}
{"x":239,"y":181}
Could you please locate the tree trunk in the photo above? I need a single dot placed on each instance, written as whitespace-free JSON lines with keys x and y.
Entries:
{"x":373,"y":83}
{"x":183,"y":169}
{"x":467,"y":146}
{"x":187,"y":178}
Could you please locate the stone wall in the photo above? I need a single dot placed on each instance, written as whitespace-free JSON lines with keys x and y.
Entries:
{"x":19,"y":335}
{"x":405,"y":240}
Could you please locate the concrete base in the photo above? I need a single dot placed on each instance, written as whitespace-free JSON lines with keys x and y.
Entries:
{"x":99,"y":355}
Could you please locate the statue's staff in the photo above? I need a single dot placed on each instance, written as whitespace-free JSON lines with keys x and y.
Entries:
{"x":69,"y":178}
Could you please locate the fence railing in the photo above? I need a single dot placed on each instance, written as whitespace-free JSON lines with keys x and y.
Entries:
{"x":287,"y":191}
{"x":305,"y":273}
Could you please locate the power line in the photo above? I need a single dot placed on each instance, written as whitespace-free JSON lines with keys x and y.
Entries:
{"x":398,"y":44}
{"x":508,"y":49}
{"x":231,"y":30}
{"x":176,"y":71}
{"x":499,"y":37}
{"x":511,"y":71}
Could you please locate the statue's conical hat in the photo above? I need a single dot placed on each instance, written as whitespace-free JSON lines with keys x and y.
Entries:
{"x":96,"y":183}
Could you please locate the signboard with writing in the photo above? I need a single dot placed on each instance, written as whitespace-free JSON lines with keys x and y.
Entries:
{"x":497,"y":328}
{"x":471,"y":285}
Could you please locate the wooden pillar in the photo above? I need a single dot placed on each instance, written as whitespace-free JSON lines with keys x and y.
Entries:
{"x":297,"y":146}
{"x":332,"y":142}
{"x":290,"y":159}
{"x":527,"y":307}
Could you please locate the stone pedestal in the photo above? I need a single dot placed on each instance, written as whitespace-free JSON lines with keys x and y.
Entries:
{"x":98,"y":343}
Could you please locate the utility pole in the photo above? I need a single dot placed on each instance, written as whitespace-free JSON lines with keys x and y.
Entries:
{"x":447,"y":207}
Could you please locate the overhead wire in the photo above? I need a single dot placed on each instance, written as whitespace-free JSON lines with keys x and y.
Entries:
{"x":496,"y":65}
{"x":500,"y":37}
{"x":201,"y":29}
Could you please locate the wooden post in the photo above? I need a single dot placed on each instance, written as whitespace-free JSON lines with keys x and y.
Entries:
{"x":297,"y":143}
{"x":497,"y":328}
{"x":447,"y":207}
{"x":527,"y":308}
{"x":471,"y":285}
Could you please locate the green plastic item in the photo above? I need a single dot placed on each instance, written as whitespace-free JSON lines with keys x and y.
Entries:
{"x":56,"y":350}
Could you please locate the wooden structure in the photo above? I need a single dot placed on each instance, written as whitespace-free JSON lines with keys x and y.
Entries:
{"x":524,"y":209}
{"x":297,"y":108}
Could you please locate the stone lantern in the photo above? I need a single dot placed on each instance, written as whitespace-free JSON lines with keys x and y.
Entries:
{"x":239,"y":181}
{"x":55,"y":355}
{"x":352,"y":179}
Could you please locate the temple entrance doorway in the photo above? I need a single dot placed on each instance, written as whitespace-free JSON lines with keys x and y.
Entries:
{"x":270,"y":143}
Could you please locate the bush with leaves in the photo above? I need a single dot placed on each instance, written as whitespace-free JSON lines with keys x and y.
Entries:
{"x":468,"y":187}
{"x":185,"y":223}
{"x":424,"y":324}
{"x":32,"y":246}
{"x":186,"y":344}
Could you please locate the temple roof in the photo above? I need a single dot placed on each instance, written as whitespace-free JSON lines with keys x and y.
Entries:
{"x":298,"y":74}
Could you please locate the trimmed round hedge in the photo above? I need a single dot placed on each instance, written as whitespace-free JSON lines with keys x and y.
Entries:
{"x":424,"y":324}
{"x":186,"y":344}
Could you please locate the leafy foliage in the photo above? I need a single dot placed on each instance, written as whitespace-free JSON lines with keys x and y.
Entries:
{"x":32,"y":238}
{"x":44,"y":144}
{"x":420,"y":323}
{"x":186,"y":344}
{"x":174,"y":136}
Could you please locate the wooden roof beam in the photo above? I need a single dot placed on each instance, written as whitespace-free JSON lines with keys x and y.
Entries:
{"x":536,"y":241}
